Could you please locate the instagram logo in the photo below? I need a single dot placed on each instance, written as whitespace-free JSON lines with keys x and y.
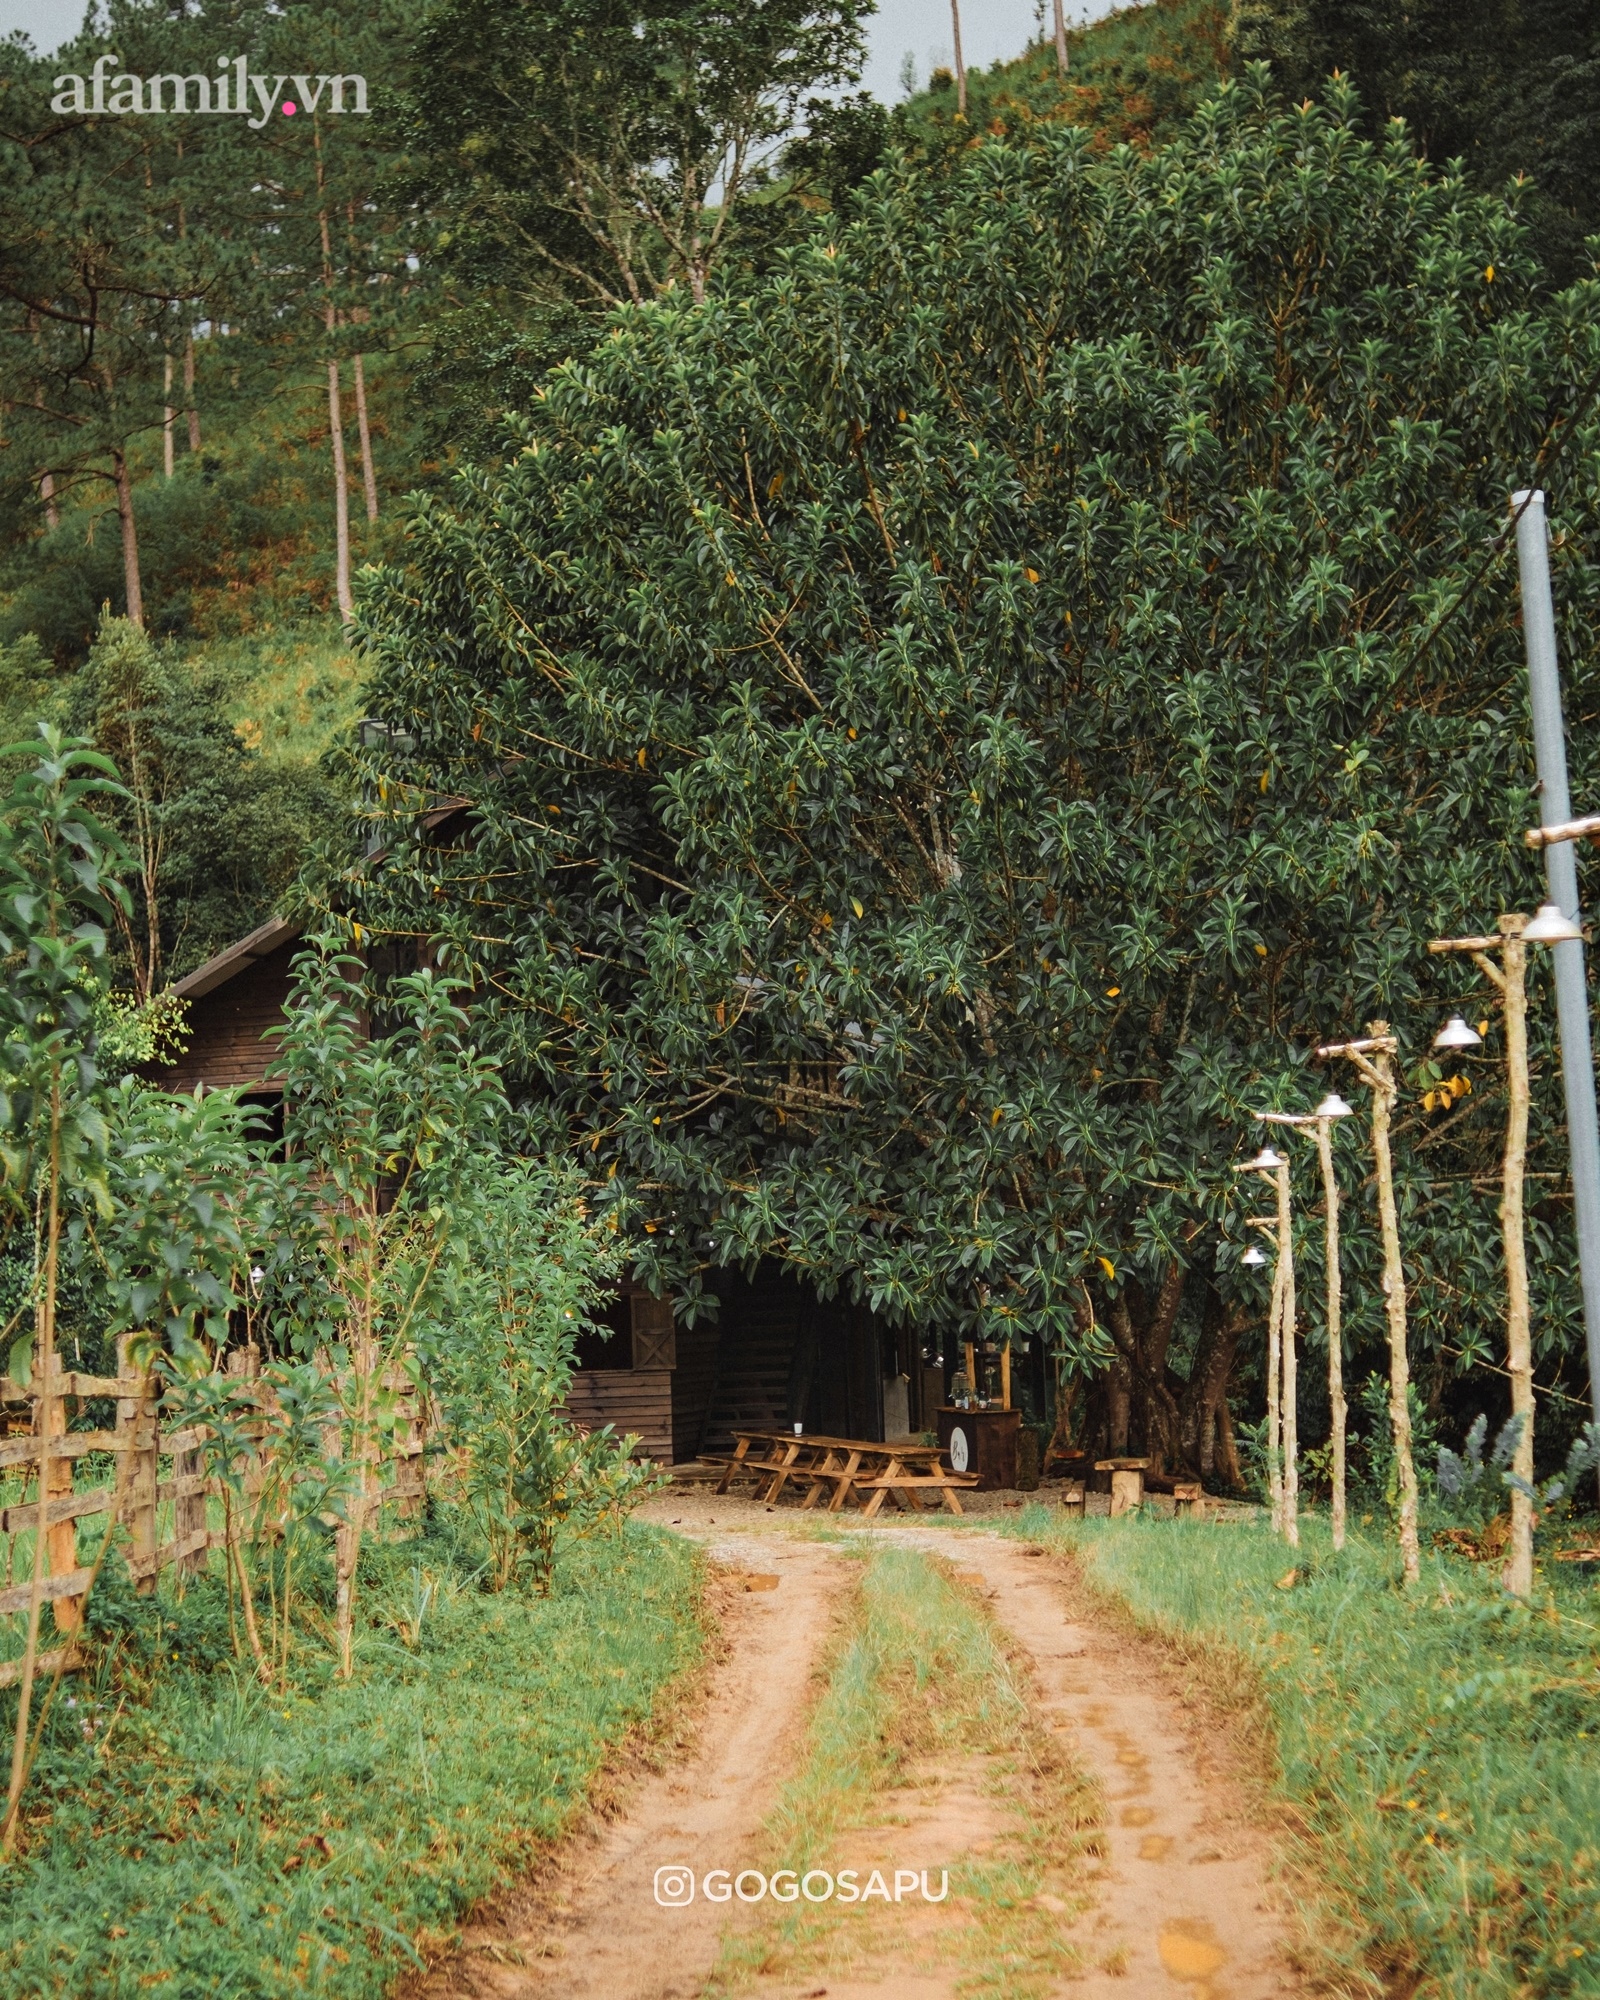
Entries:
{"x":674,"y":1887}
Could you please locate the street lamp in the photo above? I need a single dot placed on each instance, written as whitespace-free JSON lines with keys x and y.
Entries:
{"x":1455,"y":1034}
{"x":1373,"y":1057}
{"x":1549,"y":926}
{"x":1509,"y":977}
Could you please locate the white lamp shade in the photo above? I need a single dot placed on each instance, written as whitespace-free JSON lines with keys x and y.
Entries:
{"x":1549,"y":926}
{"x":1455,"y":1034}
{"x":1253,"y":1256}
{"x":1266,"y":1162}
{"x":1334,"y":1106}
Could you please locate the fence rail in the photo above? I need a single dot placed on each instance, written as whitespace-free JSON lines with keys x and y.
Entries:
{"x":139,"y":1492}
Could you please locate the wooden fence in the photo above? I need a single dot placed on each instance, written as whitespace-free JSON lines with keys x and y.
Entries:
{"x":165,"y":1495}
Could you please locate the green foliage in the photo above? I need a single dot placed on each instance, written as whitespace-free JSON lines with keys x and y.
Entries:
{"x":1510,"y":87}
{"x":217,"y":831}
{"x":266,"y":1846}
{"x":503,"y":1363}
{"x":1440,"y":1744}
{"x":58,"y":892}
{"x":1133,"y":77}
{"x":571,"y":151}
{"x":949,"y":730}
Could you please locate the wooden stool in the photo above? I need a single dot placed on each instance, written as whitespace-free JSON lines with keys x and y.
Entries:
{"x":1188,"y":1497}
{"x":1072,"y":1495}
{"x":1127,"y":1482}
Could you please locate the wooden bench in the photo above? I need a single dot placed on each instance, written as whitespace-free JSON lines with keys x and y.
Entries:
{"x":839,"y":1468}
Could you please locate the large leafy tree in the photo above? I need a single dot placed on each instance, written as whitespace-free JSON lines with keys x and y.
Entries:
{"x":950,"y":729}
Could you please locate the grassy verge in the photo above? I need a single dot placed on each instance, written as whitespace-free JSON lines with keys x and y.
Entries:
{"x":1443,"y":1747}
{"x":207,"y":1842}
{"x":919,"y":1687}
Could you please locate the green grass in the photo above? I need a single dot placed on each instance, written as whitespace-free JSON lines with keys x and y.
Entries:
{"x":230,"y":1846}
{"x":293,"y":689}
{"x":918,"y":1681}
{"x":1443,"y":1746}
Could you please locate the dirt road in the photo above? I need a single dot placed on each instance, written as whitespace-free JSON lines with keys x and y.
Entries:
{"x":1182,"y":1906}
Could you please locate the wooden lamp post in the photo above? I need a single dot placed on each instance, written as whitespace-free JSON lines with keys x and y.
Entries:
{"x":1509,"y":978}
{"x":1332,"y":1106}
{"x":1374,"y":1060}
{"x":1283,"y":1477}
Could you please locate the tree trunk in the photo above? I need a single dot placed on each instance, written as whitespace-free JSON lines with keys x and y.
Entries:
{"x":47,"y":493}
{"x":1203,"y":1405}
{"x":188,"y":393}
{"x":168,"y":417}
{"x":341,"y":499}
{"x":1061,"y":38}
{"x":130,"y":539}
{"x":368,"y":477}
{"x":961,"y":67}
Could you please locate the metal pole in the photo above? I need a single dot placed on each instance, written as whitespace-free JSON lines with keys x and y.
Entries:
{"x":1561,"y":874}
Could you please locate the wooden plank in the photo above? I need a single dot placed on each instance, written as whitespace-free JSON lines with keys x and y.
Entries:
{"x":64,"y":1657}
{"x":76,"y":1444}
{"x":20,"y":1595}
{"x":22,"y":1517}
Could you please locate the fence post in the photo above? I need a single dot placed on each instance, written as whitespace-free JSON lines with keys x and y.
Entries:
{"x":136,"y":1426}
{"x":61,"y":1537}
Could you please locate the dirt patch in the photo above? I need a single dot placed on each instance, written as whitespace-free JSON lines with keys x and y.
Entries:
{"x":588,"y":1926}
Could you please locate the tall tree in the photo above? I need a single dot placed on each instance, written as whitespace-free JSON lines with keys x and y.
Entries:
{"x":951,"y":729}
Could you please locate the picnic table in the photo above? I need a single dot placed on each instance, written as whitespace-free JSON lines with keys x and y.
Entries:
{"x":840,"y":1468}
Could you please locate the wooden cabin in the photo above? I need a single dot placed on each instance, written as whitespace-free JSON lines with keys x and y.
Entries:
{"x":776,"y":1353}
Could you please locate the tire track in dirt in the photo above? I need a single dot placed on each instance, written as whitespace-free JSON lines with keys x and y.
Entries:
{"x":1185,"y":1900}
{"x":588,"y":1926}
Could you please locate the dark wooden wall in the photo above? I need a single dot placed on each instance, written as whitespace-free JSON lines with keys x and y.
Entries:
{"x":630,"y":1399}
{"x":226,"y":1027}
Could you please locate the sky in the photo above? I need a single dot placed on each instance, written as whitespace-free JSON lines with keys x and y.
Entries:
{"x":991,"y":31}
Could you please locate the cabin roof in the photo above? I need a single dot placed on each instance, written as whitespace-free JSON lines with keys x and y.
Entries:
{"x":265,"y":939}
{"x":277,"y":932}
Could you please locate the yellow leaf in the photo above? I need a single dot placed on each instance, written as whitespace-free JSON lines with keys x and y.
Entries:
{"x":775,"y":486}
{"x":995,"y":1116}
{"x":1483,"y":1027}
{"x":1112,"y":992}
{"x":1488,"y":273}
{"x":1266,"y":778}
{"x":860,"y":912}
{"x":1261,"y":951}
{"x":1032,"y":575}
{"x":356,"y":928}
{"x":900,"y":416}
{"x":1107,"y":1266}
{"x":851,"y":734}
{"x":641,"y":760}
{"x":729,"y":579}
